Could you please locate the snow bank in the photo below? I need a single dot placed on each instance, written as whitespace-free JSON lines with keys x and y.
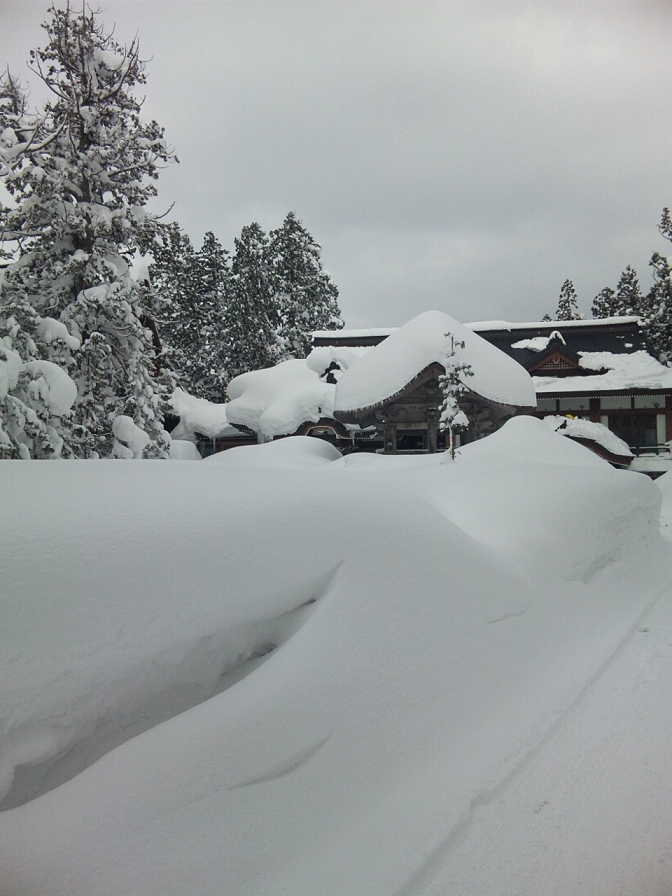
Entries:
{"x":388,"y":367}
{"x":439,"y":623}
{"x":635,"y":370}
{"x":198,"y":415}
{"x":277,"y":400}
{"x":180,"y":449}
{"x":294,"y":452}
{"x":561,"y":513}
{"x":587,"y":429}
{"x":664,"y":483}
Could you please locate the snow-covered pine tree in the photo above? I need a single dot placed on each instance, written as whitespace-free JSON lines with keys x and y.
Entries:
{"x":306,"y":298}
{"x":173,"y":275}
{"x":79,"y":213}
{"x":603,"y":303}
{"x":451,"y":383}
{"x":251,"y":322}
{"x":36,"y":393}
{"x":628,"y":299}
{"x":568,"y":308}
{"x":657,"y":308}
{"x":208,"y":371}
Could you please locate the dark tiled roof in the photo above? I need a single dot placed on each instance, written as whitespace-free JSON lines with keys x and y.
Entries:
{"x":618,"y":336}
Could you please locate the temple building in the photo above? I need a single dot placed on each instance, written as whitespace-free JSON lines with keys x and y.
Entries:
{"x":393,"y":389}
{"x":598,"y":370}
{"x":378,"y":389}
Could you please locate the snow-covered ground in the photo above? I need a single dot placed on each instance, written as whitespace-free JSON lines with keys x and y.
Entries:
{"x":450,"y":678}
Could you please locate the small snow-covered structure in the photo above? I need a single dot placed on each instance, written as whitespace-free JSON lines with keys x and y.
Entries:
{"x":593,"y":435}
{"x":394,"y":386}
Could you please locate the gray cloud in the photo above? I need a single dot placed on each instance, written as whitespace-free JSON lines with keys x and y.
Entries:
{"x":461,"y":156}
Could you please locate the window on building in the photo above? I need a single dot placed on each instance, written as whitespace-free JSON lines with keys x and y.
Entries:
{"x":574,"y":404}
{"x":615,"y":402}
{"x":547,"y":404}
{"x":649,"y":401}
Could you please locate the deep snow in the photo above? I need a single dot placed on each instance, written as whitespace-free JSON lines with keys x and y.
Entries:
{"x":434,"y":722}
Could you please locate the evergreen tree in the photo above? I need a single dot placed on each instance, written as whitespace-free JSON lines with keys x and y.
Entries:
{"x":603,"y":303}
{"x":306,"y":298}
{"x":628,"y":296}
{"x":568,"y":308}
{"x":79,"y":215}
{"x":208,"y":372}
{"x":657,"y":309}
{"x":173,"y":276}
{"x":451,"y":383}
{"x":251,"y":318}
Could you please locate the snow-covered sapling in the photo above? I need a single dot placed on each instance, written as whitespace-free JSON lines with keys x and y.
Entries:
{"x":451,"y":383}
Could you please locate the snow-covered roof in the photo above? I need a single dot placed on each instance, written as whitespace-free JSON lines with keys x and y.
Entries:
{"x":635,"y":370}
{"x":199,"y":415}
{"x":478,"y":326}
{"x":487,"y":325}
{"x":587,"y":429}
{"x":391,"y":365}
{"x":353,"y":334}
{"x":276,"y":400}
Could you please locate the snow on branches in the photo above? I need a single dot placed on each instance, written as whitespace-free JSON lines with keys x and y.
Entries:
{"x":451,"y":383}
{"x":86,"y":172}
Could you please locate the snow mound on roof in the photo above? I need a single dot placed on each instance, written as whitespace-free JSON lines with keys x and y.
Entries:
{"x":181,"y":449}
{"x":539,"y":343}
{"x":198,"y":415}
{"x":293,"y":452}
{"x":344,"y":356}
{"x":635,"y":370}
{"x":388,"y":367}
{"x":587,"y":429}
{"x":276,"y":400}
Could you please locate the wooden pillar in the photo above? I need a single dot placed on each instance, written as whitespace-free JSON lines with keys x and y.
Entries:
{"x":668,"y":414}
{"x":595,"y":410}
{"x":432,"y":430}
{"x":390,"y":437}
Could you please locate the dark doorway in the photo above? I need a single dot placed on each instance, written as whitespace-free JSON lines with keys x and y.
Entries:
{"x":638,"y":430}
{"x":411,"y":440}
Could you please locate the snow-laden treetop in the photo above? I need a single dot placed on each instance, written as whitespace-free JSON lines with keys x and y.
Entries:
{"x":391,"y":365}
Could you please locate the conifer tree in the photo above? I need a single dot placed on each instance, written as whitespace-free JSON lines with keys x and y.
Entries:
{"x":657,"y":308}
{"x":603,"y":303}
{"x":209,"y":370}
{"x":306,"y":298}
{"x":452,"y":418}
{"x":79,"y":215}
{"x":628,"y":296}
{"x":568,"y":308}
{"x":251,"y":319}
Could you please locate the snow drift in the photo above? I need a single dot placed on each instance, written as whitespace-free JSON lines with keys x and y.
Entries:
{"x":426,"y":656}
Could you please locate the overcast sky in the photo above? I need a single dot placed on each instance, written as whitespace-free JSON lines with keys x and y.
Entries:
{"x":461,"y":156}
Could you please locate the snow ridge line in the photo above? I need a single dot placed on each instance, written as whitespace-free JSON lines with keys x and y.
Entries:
{"x":427,"y":873}
{"x":285,"y":766}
